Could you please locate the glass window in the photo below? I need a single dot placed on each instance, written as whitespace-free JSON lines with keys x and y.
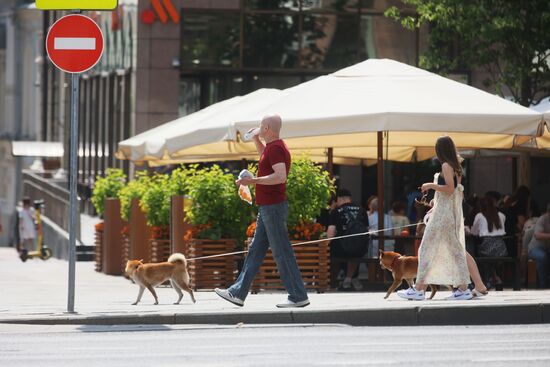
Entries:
{"x":273,"y":4}
{"x":329,"y":41}
{"x":222,"y":87}
{"x":210,"y":39}
{"x":190,"y":96}
{"x":273,"y":81}
{"x":270,"y":41}
{"x":382,"y":5}
{"x":381,"y":37}
{"x":330,"y":5}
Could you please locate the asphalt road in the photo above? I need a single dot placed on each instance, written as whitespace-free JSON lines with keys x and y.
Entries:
{"x":273,"y":345}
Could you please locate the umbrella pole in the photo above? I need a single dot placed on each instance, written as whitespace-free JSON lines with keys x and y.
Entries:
{"x":330,"y":162}
{"x":380,"y":194}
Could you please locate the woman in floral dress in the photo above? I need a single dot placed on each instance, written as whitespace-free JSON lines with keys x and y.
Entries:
{"x":442,"y":256}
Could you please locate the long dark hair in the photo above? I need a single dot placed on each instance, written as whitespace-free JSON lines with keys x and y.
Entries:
{"x":446,"y":153}
{"x":490,"y":212}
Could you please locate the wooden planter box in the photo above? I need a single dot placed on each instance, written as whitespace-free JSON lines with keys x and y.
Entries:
{"x":139,"y":234}
{"x":313,"y":261}
{"x":160,"y":249}
{"x":98,"y":240}
{"x":215,"y":272}
{"x":112,"y":238}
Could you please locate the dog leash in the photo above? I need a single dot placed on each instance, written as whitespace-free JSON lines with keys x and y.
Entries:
{"x":306,"y":242}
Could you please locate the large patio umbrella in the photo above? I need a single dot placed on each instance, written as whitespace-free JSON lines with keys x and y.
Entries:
{"x":352,"y":105}
{"x":352,"y":108}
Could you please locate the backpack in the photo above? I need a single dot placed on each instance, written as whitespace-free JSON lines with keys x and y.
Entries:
{"x":354,"y":223}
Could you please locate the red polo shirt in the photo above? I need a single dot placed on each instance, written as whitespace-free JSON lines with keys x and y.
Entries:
{"x":274,"y":152}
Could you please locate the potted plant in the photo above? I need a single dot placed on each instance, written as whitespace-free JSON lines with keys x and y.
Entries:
{"x":220,"y":219}
{"x":107,"y":189}
{"x":136,"y":235}
{"x":155,"y":202}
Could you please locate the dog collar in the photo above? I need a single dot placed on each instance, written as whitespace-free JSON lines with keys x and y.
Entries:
{"x":394,"y":260}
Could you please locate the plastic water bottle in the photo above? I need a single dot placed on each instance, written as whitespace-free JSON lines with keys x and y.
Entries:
{"x":249,"y":135}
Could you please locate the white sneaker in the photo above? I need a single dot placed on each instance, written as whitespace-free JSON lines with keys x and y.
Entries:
{"x":224,"y":293}
{"x":289,"y":304}
{"x":346,"y":285}
{"x":459,"y":295}
{"x":357,"y":285}
{"x":412,"y":294}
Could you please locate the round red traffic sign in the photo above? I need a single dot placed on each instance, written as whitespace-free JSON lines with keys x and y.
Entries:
{"x":74,"y":43}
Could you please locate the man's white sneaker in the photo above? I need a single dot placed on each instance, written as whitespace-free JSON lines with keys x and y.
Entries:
{"x":357,"y":285}
{"x":224,"y":293}
{"x":459,"y":295}
{"x":412,"y":294}
{"x":289,"y":304}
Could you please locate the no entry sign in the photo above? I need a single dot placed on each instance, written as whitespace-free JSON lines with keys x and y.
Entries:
{"x":74,"y":43}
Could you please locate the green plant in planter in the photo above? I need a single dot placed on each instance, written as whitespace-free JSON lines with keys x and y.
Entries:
{"x":134,"y":189}
{"x":308,"y":190}
{"x":179,"y":179}
{"x":107,"y":187}
{"x":217,"y":204}
{"x":155,"y":201}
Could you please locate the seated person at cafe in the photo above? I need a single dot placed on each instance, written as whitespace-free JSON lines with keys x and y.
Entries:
{"x":539,"y":247}
{"x":389,"y":245}
{"x":398,"y":217}
{"x":348,"y":218}
{"x":489,"y":227}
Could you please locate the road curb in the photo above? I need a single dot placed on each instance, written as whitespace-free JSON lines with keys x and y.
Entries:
{"x":459,"y":315}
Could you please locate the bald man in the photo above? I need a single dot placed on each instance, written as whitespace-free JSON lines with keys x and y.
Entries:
{"x":271,"y":227}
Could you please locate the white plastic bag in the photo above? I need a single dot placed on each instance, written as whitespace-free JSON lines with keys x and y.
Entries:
{"x":244,"y":191}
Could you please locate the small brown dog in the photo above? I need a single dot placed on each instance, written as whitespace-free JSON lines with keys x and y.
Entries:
{"x":401,"y":267}
{"x":150,"y":275}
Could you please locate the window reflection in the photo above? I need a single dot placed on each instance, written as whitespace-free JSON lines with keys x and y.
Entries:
{"x":329,"y":40}
{"x":272,"y":4}
{"x":210,"y":39}
{"x":271,"y":41}
{"x":381,"y":37}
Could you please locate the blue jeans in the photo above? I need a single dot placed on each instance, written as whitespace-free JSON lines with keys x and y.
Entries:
{"x":542,"y":258}
{"x":271,"y":231}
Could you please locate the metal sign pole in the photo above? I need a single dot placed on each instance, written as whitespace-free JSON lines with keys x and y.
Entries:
{"x":73,"y":202}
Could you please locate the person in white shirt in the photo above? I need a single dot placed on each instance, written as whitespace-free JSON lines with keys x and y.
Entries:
{"x":373,"y":226}
{"x":489,"y":226}
{"x":27,"y":226}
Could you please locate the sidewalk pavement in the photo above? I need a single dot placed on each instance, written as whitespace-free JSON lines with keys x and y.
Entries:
{"x":35,"y":292}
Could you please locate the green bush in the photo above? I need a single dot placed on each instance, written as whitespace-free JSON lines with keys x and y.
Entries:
{"x":135,"y":189}
{"x":155,"y":201}
{"x":107,"y":187}
{"x":217,"y":204}
{"x":308,"y":190}
{"x":179,"y":180}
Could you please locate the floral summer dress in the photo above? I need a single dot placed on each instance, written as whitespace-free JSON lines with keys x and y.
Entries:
{"x":442,"y":255}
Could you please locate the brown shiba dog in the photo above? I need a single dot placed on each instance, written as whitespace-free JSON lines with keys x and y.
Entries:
{"x":402,"y":268}
{"x":150,"y":275}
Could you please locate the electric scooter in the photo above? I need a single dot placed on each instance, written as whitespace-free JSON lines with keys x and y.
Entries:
{"x":42,"y":251}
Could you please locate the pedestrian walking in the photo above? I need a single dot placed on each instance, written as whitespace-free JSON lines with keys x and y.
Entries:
{"x":271,"y":223}
{"x":442,"y":255}
{"x":27,"y":226}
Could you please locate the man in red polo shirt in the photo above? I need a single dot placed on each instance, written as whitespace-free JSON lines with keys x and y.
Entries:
{"x":271,"y":227}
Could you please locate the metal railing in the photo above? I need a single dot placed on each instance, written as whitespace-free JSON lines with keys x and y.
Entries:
{"x":41,"y":185}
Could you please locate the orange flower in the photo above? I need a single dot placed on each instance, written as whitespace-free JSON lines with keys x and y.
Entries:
{"x":125,"y":230}
{"x":99,"y":226}
{"x":160,"y":232}
{"x":195,"y":231}
{"x":251,"y":229}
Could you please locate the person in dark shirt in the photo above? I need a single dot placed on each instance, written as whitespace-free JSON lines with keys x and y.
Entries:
{"x":271,"y":230}
{"x":348,"y":218}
